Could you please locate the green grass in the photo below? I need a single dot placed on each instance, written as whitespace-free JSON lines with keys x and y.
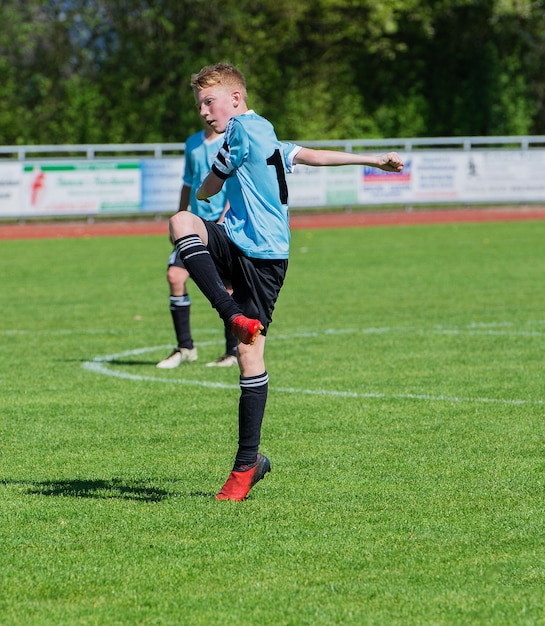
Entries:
{"x":405,"y":426}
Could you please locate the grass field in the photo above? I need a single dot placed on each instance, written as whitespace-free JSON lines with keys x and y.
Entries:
{"x":405,"y":427}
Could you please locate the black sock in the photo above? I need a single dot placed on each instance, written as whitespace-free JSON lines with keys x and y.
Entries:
{"x":179,"y":309}
{"x":199,"y":264}
{"x":251,"y":408}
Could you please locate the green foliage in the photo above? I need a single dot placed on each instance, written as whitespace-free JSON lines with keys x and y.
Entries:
{"x":404,"y":425}
{"x":89,"y":71}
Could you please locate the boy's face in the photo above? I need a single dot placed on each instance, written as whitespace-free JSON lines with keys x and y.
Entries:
{"x":216,"y":105}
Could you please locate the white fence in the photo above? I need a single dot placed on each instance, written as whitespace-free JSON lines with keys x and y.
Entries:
{"x":91,"y":180}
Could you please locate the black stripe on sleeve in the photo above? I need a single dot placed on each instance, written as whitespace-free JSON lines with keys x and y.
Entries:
{"x":219,"y":173}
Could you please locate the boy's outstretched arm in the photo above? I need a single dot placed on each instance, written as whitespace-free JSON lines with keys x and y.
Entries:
{"x":389,"y":162}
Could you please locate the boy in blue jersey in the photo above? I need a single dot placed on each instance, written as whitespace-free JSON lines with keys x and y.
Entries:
{"x":251,"y":246}
{"x":200,"y":151}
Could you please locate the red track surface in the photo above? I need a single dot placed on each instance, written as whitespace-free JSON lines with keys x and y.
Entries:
{"x":107,"y":228}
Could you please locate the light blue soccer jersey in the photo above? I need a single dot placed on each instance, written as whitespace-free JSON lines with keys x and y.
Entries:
{"x":199,"y":156}
{"x":254,"y":163}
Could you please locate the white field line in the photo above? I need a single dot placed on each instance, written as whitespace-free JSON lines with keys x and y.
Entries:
{"x":473,"y":328}
{"x":103,"y":365}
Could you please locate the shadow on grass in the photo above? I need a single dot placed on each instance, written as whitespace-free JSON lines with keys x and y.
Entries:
{"x":130,"y":362}
{"x":103,"y":489}
{"x":115,"y":488}
{"x":117,"y":361}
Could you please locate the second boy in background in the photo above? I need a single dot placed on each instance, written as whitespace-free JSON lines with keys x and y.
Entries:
{"x":200,"y":152}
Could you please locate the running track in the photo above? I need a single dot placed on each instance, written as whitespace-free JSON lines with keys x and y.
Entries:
{"x":109,"y":228}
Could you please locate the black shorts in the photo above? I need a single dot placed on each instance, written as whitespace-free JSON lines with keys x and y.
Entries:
{"x":256,"y":283}
{"x":174,"y":259}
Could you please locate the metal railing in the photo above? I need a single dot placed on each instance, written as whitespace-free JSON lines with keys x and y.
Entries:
{"x":165,"y":150}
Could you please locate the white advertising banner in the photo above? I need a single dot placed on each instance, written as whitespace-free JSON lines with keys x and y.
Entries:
{"x":323,"y":186}
{"x":306,"y":187}
{"x":449,"y":176}
{"x":82,"y":188}
{"x":161,"y":184}
{"x":11,"y":182}
{"x":517,"y":176}
{"x":378,"y":187}
{"x":152,"y":185}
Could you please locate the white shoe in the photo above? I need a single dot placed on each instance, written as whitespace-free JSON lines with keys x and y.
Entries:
{"x":180,"y":355}
{"x":227,"y":360}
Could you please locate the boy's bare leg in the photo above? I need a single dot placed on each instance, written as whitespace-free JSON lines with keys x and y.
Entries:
{"x":185,"y":223}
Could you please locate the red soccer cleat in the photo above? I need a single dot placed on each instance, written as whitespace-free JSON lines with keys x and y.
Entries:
{"x":238,"y":485}
{"x":245,"y":329}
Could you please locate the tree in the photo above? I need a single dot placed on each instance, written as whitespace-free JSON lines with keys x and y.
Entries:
{"x":118,"y":71}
